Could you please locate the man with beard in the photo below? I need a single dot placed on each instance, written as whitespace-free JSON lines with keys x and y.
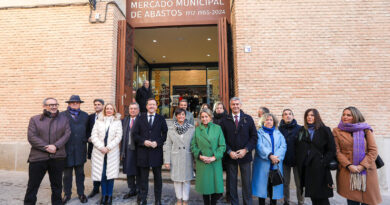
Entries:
{"x":47,"y":134}
{"x":98,"y":105}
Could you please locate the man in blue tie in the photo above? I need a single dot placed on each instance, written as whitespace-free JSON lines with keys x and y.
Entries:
{"x":150,"y":133}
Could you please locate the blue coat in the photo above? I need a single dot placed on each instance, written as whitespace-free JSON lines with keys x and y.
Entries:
{"x":262,"y":163}
{"x":76,"y":147}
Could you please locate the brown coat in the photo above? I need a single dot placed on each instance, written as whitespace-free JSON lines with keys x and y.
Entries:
{"x":44,"y":131}
{"x":344,"y":145}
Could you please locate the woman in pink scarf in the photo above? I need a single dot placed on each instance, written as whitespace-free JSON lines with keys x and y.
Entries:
{"x":357,"y":178}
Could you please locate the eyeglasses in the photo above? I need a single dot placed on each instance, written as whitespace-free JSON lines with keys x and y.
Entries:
{"x":52,"y":105}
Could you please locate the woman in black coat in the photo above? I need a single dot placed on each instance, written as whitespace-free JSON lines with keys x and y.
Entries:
{"x":314,"y":149}
{"x":219,"y":112}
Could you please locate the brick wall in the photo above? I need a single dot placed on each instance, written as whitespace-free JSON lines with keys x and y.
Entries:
{"x":322,"y":54}
{"x":53,"y":51}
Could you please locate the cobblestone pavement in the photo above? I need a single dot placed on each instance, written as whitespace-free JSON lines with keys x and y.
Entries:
{"x":13,"y":187}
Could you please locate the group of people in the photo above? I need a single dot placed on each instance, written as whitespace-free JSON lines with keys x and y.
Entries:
{"x":217,"y":141}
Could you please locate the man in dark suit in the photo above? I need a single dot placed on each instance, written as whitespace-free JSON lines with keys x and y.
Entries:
{"x":76,"y":149}
{"x":128,"y":151}
{"x":240,"y":134}
{"x":98,"y":105}
{"x":142,"y":95}
{"x":150,"y":133}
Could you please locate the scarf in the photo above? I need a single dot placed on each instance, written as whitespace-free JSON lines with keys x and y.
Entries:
{"x":48,"y":114}
{"x":181,"y":129}
{"x":270,"y":132}
{"x":290,"y":125}
{"x":358,"y":180}
{"x":311,"y":130}
{"x":73,"y":111}
{"x":218,"y":115}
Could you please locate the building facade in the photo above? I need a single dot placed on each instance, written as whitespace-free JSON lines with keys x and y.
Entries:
{"x":279,"y":54}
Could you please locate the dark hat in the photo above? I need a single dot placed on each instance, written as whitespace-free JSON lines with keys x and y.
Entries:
{"x":99,"y":100}
{"x":74,"y":98}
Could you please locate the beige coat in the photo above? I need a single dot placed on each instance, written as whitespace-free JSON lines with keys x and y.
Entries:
{"x":177,"y":152}
{"x":344,"y":145}
{"x":114,"y":138}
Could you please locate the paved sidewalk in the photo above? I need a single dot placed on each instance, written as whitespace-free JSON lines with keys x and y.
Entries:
{"x":13,"y":187}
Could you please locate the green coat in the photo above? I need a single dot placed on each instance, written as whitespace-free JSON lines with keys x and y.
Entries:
{"x":208,"y":142}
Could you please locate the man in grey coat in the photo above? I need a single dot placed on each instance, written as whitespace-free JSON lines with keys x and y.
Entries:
{"x":183,"y":104}
{"x":47,"y":134}
{"x":76,"y":149}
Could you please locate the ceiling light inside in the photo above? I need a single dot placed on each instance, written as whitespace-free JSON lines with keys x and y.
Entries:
{"x":208,"y":55}
{"x":209,"y":39}
{"x":163,"y":56}
{"x":154,"y":41}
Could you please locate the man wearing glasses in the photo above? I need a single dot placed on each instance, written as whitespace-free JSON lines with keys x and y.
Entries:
{"x":47,"y":134}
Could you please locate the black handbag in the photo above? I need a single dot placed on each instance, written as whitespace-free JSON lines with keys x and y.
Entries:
{"x":379,"y":162}
{"x":275,"y":177}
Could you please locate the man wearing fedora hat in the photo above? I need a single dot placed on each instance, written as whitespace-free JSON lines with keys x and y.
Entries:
{"x":76,"y":149}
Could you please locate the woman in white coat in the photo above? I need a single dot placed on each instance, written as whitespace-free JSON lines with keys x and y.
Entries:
{"x":178,"y":156}
{"x":106,"y":136}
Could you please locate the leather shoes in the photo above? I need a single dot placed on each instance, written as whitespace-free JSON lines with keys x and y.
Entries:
{"x":142,"y":202}
{"x":83,"y":199}
{"x":65,"y":199}
{"x":109,"y":201}
{"x":158,"y":202}
{"x":93,"y":193}
{"x":130,"y":194}
{"x":103,"y":200}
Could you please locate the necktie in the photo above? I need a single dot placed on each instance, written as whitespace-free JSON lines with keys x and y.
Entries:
{"x":131,"y":123}
{"x":236,"y":120}
{"x":150,"y":120}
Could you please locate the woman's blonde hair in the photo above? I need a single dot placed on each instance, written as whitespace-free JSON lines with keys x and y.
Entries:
{"x":105,"y":107}
{"x":207,"y":111}
{"x":216,"y":104}
{"x":266,"y":115}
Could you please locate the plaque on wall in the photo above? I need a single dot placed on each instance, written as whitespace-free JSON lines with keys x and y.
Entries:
{"x":150,"y":13}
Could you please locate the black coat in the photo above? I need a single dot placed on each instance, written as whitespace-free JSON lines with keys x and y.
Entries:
{"x":142,"y":96}
{"x":147,"y":156}
{"x":76,"y":147}
{"x":312,"y":158}
{"x":217,"y":119}
{"x":91,"y":123}
{"x":128,"y":151}
{"x":245,"y":136}
{"x":290,"y":133}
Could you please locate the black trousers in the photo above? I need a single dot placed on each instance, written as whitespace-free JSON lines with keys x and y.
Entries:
{"x":96,"y":185}
{"x":144,"y":183}
{"x":68,"y":178}
{"x":133,"y":183}
{"x":36,"y":172}
{"x":270,"y":191}
{"x":316,"y":201}
{"x":245,"y":170}
{"x":211,"y":199}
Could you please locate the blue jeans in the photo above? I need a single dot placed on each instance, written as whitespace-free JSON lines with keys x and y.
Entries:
{"x":107,"y":185}
{"x":350,"y":202}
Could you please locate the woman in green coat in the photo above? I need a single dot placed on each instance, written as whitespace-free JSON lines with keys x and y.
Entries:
{"x":208,"y":146}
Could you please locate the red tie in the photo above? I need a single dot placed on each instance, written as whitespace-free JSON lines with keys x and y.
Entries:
{"x":236,"y":120}
{"x":131,"y":123}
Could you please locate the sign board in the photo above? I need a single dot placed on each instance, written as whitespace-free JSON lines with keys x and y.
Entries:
{"x":151,"y":13}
